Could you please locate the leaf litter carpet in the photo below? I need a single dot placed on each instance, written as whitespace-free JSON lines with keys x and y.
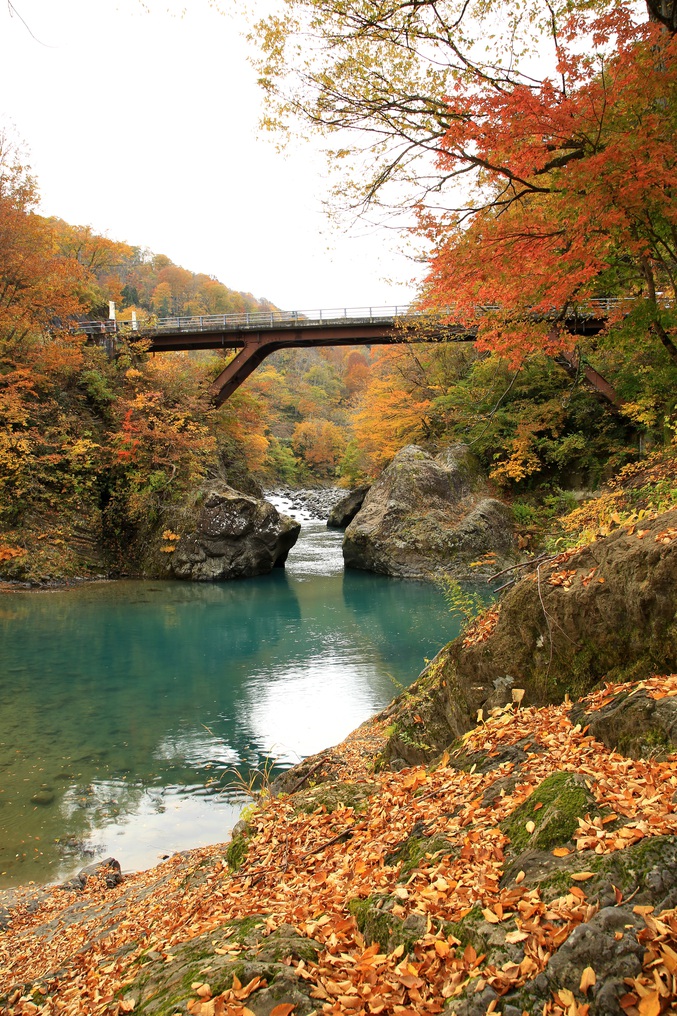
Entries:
{"x":303,"y":869}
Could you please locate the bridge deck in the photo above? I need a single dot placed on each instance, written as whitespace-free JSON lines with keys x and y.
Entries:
{"x":257,"y":334}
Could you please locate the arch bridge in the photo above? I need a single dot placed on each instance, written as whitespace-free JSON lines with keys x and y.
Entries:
{"x":258,"y":334}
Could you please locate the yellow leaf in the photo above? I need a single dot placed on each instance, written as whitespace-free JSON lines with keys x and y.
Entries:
{"x":650,"y":1005}
{"x":519,"y":877}
{"x":530,"y":826}
{"x":515,"y":936}
{"x":588,"y":978}
{"x":582,"y":876}
{"x":490,"y":916}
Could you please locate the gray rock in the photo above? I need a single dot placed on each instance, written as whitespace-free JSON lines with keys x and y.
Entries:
{"x":236,"y":536}
{"x":475,"y":1003}
{"x":108,"y":867}
{"x":635,"y":725}
{"x":162,"y":988}
{"x":427,"y":516}
{"x":594,"y":944}
{"x":343,"y":513}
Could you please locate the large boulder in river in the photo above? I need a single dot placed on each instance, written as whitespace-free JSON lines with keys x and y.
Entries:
{"x":345,"y":510}
{"x":429,"y":515}
{"x":607,"y":611}
{"x":236,"y":536}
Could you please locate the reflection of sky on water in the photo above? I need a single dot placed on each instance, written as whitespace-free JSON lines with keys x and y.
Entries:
{"x":141,"y":825}
{"x":330,"y":685}
{"x":130,"y":705}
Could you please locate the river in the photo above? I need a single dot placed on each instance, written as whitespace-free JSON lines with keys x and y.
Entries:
{"x":128,"y":708}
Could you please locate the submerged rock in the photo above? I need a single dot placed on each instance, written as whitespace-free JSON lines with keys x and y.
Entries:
{"x":236,"y":536}
{"x":428,"y":516}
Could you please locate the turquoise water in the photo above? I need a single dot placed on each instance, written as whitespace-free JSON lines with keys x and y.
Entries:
{"x":127,"y":708}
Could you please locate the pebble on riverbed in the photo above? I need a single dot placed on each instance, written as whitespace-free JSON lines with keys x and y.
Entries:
{"x":43,"y":796}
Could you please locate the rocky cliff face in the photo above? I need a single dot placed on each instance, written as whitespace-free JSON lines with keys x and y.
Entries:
{"x":428,"y":516}
{"x":606,"y":611}
{"x":235,"y":536}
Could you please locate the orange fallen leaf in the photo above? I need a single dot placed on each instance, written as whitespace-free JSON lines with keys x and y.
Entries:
{"x":650,"y":1005}
{"x":582,"y":876}
{"x":588,"y":978}
{"x":561,"y":851}
{"x":284,"y":1009}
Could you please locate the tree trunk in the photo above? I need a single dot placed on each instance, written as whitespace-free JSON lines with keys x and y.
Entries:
{"x":664,"y":12}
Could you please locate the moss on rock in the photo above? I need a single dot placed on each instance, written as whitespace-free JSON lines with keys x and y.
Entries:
{"x":334,"y":795}
{"x":238,"y":846}
{"x":163,"y":988}
{"x":415,"y":849}
{"x":378,"y":923}
{"x":554,"y":808}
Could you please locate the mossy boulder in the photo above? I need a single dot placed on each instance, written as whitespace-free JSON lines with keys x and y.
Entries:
{"x":417,"y":849}
{"x":553,"y":809}
{"x":378,"y":920}
{"x":615,"y":617}
{"x":429,"y":515}
{"x":234,"y":536}
{"x":236,"y":850}
{"x":633,"y":724}
{"x":345,"y":510}
{"x":163,"y":988}
{"x":645,"y":874}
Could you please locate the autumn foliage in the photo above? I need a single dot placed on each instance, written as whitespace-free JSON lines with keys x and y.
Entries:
{"x":574,"y":192}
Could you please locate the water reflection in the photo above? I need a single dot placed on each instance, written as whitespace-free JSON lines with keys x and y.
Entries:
{"x":124,"y":707}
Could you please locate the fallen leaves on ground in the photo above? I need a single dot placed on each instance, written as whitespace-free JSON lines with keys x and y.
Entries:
{"x":300,"y":869}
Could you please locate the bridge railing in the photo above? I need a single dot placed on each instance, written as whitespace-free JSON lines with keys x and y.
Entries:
{"x":272,"y":318}
{"x":262,"y":320}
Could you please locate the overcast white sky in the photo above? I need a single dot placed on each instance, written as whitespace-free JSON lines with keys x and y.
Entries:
{"x":144,"y":126}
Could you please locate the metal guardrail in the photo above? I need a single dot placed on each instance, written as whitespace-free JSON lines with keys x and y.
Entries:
{"x":262,"y":320}
{"x":254,"y":320}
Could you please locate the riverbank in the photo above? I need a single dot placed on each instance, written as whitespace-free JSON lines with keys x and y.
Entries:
{"x":497,"y":877}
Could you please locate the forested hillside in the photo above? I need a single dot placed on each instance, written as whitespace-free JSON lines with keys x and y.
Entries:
{"x":98,"y":451}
